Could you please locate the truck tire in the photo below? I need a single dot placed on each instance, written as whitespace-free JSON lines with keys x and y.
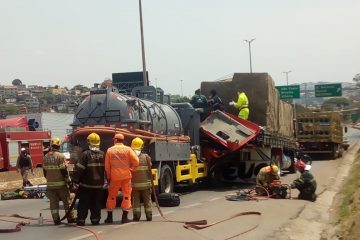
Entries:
{"x":166,"y":184}
{"x":292,"y":168}
{"x":169,"y":200}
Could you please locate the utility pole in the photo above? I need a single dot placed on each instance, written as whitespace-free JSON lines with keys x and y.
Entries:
{"x":249,"y":42}
{"x":181,"y":81}
{"x":142,"y":46}
{"x":287,"y":77}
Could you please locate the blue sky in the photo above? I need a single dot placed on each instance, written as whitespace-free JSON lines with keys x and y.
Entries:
{"x":50,"y":42}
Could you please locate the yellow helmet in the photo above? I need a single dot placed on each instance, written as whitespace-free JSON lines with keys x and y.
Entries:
{"x":93,"y":139}
{"x":137,"y":143}
{"x":56,"y":142}
{"x":274,"y":169}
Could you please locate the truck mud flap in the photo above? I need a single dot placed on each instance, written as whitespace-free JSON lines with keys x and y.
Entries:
{"x":169,"y":200}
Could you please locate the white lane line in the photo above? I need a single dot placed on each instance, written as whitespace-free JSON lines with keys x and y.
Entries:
{"x":165,"y":213}
{"x":124,"y":225}
{"x":214,"y":199}
{"x":192,"y":205}
{"x":84,"y":236}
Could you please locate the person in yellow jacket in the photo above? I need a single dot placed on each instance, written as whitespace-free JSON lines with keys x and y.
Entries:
{"x":58,"y":181}
{"x":242,"y":104}
{"x":141,"y":182}
{"x":266,"y":175}
{"x":120,"y":162}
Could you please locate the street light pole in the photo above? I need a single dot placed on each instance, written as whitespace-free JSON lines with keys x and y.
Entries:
{"x":181,"y":81}
{"x":249,"y":42}
{"x":142,"y":46}
{"x":287,"y":77}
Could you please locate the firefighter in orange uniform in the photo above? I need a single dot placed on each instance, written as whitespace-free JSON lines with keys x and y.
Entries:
{"x":141,"y":182}
{"x":120,"y":162}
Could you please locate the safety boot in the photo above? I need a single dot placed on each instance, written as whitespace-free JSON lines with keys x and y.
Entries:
{"x":109,"y":218}
{"x":136,"y":217}
{"x":124,"y":218}
{"x":148,"y":216}
{"x":57,"y":222}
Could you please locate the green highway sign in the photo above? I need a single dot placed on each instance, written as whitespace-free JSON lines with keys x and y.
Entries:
{"x":328,"y":90}
{"x":289,"y":92}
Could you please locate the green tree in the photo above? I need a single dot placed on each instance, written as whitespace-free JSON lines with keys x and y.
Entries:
{"x":339,"y":102}
{"x":179,"y":99}
{"x":8,"y":109}
{"x":49,"y":97}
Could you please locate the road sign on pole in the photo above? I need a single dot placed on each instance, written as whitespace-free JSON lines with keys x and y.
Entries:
{"x":289,"y":92}
{"x":328,"y":90}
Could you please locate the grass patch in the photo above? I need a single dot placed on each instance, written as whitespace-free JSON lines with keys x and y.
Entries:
{"x":350,"y":204}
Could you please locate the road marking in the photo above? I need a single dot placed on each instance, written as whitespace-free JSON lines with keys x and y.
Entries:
{"x":84,"y":236}
{"x":214,"y":199}
{"x":192,"y":205}
{"x":127,"y":224}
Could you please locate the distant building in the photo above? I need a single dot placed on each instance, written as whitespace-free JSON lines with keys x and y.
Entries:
{"x":58,"y":91}
{"x":8,"y":91}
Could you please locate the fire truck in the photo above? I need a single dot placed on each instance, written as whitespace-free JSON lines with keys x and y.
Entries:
{"x":183,"y":149}
{"x":14,"y":136}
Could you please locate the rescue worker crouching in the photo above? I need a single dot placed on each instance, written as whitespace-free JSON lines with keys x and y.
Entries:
{"x":267,"y":175}
{"x":58,"y":181}
{"x":141,"y":182}
{"x":242,"y":104}
{"x":120,"y":162}
{"x":306,"y":183}
{"x":89,"y":174}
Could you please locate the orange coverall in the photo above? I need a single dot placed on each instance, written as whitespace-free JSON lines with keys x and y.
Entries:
{"x":120,"y":161}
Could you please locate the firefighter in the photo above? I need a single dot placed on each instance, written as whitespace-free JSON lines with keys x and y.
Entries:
{"x":58,"y":181}
{"x":242,"y":104}
{"x":120,"y":162}
{"x":306,"y":183}
{"x":141,"y":182}
{"x":89,"y":174}
{"x":267,"y":175}
{"x":215,"y":101}
{"x":24,"y":165}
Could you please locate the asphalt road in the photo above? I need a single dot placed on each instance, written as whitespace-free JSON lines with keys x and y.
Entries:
{"x":199,"y":203}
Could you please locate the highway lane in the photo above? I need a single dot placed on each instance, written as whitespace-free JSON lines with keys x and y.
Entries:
{"x":208,"y":204}
{"x":197,"y":203}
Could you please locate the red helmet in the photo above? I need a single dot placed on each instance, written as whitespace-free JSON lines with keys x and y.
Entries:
{"x":119,"y":136}
{"x":300,"y":165}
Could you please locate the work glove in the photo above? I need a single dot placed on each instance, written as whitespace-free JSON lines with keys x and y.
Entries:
{"x":232,"y":103}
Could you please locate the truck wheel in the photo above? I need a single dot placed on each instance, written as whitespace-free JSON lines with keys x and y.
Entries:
{"x":292,"y":168}
{"x":166,"y":184}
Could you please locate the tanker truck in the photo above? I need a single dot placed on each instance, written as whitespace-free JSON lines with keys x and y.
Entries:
{"x":183,"y":149}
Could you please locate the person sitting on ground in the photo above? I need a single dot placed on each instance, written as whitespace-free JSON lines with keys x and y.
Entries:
{"x":306,"y":183}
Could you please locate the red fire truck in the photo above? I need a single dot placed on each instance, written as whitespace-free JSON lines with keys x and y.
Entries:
{"x":13,"y":138}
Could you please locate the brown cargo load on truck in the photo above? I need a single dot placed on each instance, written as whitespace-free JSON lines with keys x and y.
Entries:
{"x":266,"y":108}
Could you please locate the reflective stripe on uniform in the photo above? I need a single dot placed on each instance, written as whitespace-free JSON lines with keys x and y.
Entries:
{"x":95,"y":165}
{"x":90,"y":186}
{"x":148,"y":210}
{"x":51,"y":167}
{"x":54,"y":211}
{"x":120,"y":165}
{"x":142,"y":168}
{"x":136,"y":209}
{"x":145,"y":184}
{"x":80,"y":165}
{"x":56,"y":184}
